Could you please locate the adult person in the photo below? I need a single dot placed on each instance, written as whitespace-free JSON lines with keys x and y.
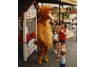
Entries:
{"x":62,"y":37}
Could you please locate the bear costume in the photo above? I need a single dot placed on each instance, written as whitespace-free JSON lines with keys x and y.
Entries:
{"x":44,"y":32}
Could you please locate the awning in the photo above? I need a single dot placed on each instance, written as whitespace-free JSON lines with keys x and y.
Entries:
{"x":24,"y":4}
{"x":70,"y":2}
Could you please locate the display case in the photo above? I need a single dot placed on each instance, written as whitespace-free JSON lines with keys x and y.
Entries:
{"x":27,"y":28}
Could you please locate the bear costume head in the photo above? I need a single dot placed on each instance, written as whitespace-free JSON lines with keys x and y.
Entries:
{"x":46,"y":13}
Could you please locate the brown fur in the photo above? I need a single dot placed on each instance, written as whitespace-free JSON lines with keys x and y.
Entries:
{"x":44,"y":33}
{"x":44,"y":10}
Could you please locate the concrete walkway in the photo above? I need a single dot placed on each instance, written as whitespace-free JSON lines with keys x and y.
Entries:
{"x":71,"y":55}
{"x":71,"y":51}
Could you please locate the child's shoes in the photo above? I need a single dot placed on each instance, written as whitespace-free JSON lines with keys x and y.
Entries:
{"x":55,"y":52}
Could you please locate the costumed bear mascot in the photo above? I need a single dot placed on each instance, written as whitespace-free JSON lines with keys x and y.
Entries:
{"x":44,"y":32}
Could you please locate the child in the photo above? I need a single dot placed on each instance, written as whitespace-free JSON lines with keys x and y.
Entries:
{"x":62,"y":58}
{"x":62,"y":37}
{"x":55,"y":41}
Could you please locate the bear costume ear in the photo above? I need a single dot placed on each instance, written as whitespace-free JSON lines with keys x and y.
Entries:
{"x":44,"y":11}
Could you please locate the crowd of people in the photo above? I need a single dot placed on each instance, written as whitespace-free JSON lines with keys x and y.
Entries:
{"x":60,"y":33}
{"x":59,"y":38}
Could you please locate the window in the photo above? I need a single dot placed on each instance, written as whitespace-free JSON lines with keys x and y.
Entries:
{"x":30,"y":24}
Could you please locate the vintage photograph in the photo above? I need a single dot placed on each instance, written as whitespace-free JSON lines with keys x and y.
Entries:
{"x":47,"y":33}
{"x":44,"y":33}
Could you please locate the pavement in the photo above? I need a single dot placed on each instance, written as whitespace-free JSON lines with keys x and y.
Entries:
{"x":71,"y":55}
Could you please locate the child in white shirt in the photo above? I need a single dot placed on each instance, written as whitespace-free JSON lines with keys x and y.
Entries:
{"x":55,"y":41}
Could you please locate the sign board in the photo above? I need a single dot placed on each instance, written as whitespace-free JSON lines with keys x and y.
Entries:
{"x":30,"y":23}
{"x":30,"y":47}
{"x":62,"y":10}
{"x":31,"y":13}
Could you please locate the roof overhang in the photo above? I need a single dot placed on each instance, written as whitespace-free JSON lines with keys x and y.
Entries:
{"x":25,"y":4}
{"x":70,"y":2}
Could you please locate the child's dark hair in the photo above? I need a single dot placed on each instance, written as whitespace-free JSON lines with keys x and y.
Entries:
{"x":64,"y":24}
{"x":54,"y":31}
{"x":63,"y":52}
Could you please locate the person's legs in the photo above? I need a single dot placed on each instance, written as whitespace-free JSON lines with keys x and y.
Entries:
{"x":56,"y":47}
{"x":64,"y":46}
{"x":45,"y":54}
{"x":40,"y":55}
{"x":59,"y":46}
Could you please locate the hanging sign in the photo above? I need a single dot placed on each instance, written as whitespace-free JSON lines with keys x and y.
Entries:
{"x":62,"y":10}
{"x":31,"y":13}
